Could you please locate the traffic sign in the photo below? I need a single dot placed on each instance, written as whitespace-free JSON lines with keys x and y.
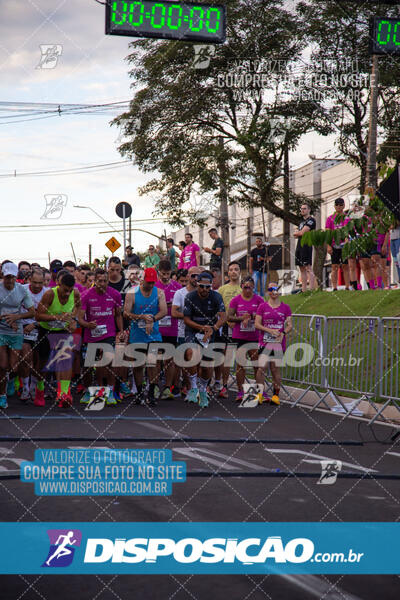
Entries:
{"x":113,"y":244}
{"x":119,"y":209}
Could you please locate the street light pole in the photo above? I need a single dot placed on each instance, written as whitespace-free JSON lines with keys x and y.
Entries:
{"x":100,"y":217}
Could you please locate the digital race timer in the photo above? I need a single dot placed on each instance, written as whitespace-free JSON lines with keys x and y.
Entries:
{"x":170,"y":20}
{"x":384,"y":35}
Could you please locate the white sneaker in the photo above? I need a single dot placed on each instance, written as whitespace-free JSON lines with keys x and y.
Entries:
{"x":25,"y":395}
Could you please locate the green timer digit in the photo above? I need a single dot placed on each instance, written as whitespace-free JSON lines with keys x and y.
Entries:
{"x":170,"y":20}
{"x":385,"y":36}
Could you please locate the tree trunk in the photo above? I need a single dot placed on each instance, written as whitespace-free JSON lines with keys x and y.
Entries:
{"x":319,"y":261}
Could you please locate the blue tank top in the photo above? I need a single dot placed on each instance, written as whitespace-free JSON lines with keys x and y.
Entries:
{"x":145,"y":306}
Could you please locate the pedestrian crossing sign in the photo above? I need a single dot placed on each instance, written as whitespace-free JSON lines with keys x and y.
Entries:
{"x":113,"y":244}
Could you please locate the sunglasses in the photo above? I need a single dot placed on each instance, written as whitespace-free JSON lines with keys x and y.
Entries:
{"x":272,"y":289}
{"x":248,"y":287}
{"x":192,"y":275}
{"x":204,"y":286}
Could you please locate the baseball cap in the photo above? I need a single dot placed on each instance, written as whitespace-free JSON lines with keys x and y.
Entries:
{"x":56,"y":265}
{"x":150,"y":275}
{"x":205,"y":275}
{"x":10,"y":269}
{"x":339,"y":201}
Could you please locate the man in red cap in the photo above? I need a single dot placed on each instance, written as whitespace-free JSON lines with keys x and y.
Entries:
{"x":144,"y":308}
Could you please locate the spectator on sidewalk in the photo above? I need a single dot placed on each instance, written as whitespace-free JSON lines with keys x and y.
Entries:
{"x":152,"y":259}
{"x":216,"y":250}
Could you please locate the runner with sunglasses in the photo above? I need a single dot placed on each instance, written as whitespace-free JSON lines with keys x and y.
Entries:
{"x":273,"y":321}
{"x":203,"y":314}
{"x":242,"y":312}
{"x":178,"y":303}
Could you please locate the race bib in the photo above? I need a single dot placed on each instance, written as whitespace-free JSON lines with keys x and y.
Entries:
{"x":268,"y":338}
{"x":141,"y":324}
{"x":200,"y":338}
{"x":186,"y":259}
{"x":249,"y":327}
{"x":32,"y":335}
{"x":165,"y":321}
{"x":99,"y":331}
{"x":230,"y":331}
{"x":57,"y":324}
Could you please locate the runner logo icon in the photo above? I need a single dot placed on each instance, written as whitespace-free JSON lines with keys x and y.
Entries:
{"x":62,"y":547}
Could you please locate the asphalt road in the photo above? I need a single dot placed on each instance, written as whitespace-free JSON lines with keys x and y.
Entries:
{"x":259,"y":464}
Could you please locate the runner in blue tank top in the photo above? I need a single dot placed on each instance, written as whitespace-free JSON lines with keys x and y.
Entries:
{"x":144,"y":307}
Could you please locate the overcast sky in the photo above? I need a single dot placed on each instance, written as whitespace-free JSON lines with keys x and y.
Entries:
{"x":91,"y":69}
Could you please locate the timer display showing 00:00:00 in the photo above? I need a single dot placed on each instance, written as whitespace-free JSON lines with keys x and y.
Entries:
{"x":387,"y":34}
{"x":196,"y":20}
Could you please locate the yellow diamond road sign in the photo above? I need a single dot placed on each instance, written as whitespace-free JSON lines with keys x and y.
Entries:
{"x":113,"y":244}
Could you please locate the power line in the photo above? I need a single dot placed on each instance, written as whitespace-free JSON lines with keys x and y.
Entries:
{"x":71,"y":171}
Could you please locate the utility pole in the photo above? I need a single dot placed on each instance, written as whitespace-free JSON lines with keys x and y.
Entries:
{"x":372,"y":178}
{"x":286,"y":224}
{"x":223,"y":205}
{"x":130,"y":231}
{"x":248,"y":220}
{"x":90,"y":254}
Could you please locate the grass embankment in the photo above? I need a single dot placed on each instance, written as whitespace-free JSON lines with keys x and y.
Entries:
{"x":370,"y":303}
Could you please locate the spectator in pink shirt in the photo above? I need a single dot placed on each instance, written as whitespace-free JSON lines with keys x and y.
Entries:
{"x":190,"y":256}
{"x":335,"y":250}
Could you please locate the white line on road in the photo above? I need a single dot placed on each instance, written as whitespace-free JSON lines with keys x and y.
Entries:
{"x":301,"y":452}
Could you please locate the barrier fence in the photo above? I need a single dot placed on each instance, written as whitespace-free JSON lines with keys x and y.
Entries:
{"x":355,"y":356}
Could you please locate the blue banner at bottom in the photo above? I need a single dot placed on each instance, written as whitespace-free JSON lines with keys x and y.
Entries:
{"x":200,"y":548}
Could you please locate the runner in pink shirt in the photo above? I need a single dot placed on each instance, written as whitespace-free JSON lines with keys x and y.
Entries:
{"x":242,"y":311}
{"x":273,"y":321}
{"x":190,"y":256}
{"x":168,"y":326}
{"x":101,"y":308}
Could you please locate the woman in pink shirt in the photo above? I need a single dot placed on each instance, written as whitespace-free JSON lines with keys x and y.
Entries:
{"x":242,"y":312}
{"x":273,"y":321}
{"x":190,"y":256}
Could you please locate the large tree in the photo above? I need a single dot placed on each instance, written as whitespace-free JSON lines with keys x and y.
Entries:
{"x":339,"y":36}
{"x":180,"y":113}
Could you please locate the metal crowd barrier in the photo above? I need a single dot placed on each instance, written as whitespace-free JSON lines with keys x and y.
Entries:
{"x":357,"y":357}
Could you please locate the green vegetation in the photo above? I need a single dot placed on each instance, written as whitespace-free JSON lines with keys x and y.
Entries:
{"x":371,"y":303}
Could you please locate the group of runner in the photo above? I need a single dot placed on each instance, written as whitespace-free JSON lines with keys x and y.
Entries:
{"x":123,"y":335}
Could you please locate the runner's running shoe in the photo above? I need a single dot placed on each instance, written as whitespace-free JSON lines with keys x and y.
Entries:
{"x":240,"y":396}
{"x":11,"y":387}
{"x":113,"y":398}
{"x":275,"y":399}
{"x":174,"y":391}
{"x":203,"y":399}
{"x":85,"y":398}
{"x":166,"y":394}
{"x":192,"y":395}
{"x":25,"y":395}
{"x":64,"y":400}
{"x":262,"y":397}
{"x":39,"y":398}
{"x":3,"y":401}
{"x":124,"y":390}
{"x":223,"y":393}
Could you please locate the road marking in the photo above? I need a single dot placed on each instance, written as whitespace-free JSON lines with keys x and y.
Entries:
{"x":163,"y":430}
{"x":194,"y":453}
{"x":226,"y":463}
{"x":393,"y":453}
{"x":301,"y":452}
